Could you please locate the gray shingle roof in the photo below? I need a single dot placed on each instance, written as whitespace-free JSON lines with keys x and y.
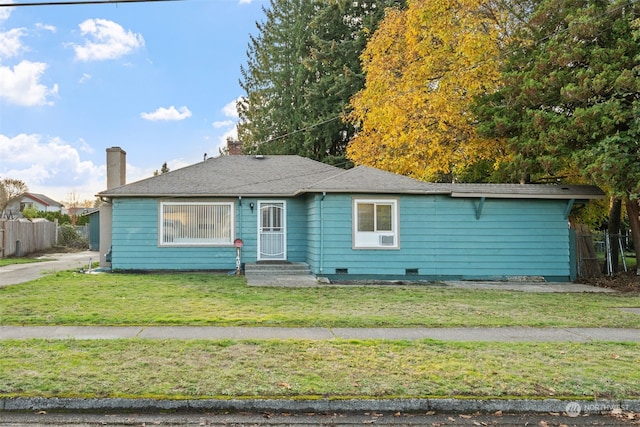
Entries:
{"x":233,"y":176}
{"x":528,"y":191}
{"x":44,"y":199}
{"x":286,"y":176}
{"x":364,"y":179}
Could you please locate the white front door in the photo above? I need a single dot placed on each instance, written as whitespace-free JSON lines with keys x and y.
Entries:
{"x":272,"y":236}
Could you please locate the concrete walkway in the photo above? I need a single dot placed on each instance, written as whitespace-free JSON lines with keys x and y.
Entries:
{"x":506,"y":334}
{"x":20,"y":273}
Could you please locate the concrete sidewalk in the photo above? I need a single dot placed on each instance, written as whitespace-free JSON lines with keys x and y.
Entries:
{"x":507,"y":334}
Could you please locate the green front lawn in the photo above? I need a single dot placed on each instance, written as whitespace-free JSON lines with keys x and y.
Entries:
{"x":12,"y":261}
{"x":70,"y":298}
{"x":306,"y":369}
{"x":313,"y":369}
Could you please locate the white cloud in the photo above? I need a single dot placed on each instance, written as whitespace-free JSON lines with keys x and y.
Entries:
{"x":84,"y":147}
{"x":222,"y":124}
{"x":21,"y":85}
{"x":11,"y":43}
{"x":5,"y":12}
{"x":85,"y":78}
{"x":106,"y":40}
{"x":222,"y":141}
{"x":52,"y":167}
{"x":230,"y":109}
{"x":167,"y":114}
{"x":46,"y":27}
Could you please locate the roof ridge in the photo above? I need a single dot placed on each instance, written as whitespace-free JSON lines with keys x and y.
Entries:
{"x":339,"y":171}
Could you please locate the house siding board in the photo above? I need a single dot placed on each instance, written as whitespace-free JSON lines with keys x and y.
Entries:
{"x":511,"y":238}
{"x":135,"y":242}
{"x":135,"y":238}
{"x":441,"y":237}
{"x":314,"y":242}
{"x":296,"y":230}
{"x":247,"y":228}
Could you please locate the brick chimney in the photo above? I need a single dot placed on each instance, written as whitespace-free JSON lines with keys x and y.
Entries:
{"x":234,"y":147}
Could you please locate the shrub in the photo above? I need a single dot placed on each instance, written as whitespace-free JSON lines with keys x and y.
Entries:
{"x":68,"y":236}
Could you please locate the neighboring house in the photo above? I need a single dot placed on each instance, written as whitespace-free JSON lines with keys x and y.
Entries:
{"x":346,"y":224}
{"x":39,"y":202}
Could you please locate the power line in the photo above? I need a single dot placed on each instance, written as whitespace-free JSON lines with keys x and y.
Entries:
{"x":314,"y":125}
{"x":73,"y":2}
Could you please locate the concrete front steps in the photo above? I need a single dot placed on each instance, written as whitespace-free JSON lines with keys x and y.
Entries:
{"x":277,"y":268}
{"x":273,"y":273}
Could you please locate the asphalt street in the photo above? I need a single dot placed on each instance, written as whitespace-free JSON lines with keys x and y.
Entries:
{"x":306,"y":420}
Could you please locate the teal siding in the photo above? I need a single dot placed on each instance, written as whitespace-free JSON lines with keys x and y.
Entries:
{"x":247,"y":229}
{"x":135,"y":243}
{"x":440,"y":237}
{"x":314,"y":232}
{"x":135,"y":238}
{"x":297,"y":230}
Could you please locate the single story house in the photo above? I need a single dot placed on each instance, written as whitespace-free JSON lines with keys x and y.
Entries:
{"x":345,"y":224}
{"x":36,"y":201}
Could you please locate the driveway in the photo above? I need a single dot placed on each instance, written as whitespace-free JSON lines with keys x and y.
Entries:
{"x":19,"y":273}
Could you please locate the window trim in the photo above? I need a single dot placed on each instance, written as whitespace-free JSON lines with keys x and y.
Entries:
{"x":161,"y":221}
{"x":374,"y":237}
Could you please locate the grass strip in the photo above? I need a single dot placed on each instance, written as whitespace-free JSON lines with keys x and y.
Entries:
{"x":312,"y":369}
{"x":12,"y":261}
{"x":69,"y":298}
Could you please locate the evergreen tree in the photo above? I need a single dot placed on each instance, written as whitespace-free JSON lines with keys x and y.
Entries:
{"x":340,"y":33}
{"x":570,"y":100}
{"x":274,"y":78}
{"x":302,"y":69}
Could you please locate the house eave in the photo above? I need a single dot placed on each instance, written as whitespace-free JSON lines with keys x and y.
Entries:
{"x":568,"y":196}
{"x":454,"y":194}
{"x":191,"y":195}
{"x":377,"y":191}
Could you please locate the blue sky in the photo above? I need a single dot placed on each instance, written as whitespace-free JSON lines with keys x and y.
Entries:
{"x":159,"y":80}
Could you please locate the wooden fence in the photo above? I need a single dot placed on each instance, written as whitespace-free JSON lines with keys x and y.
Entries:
{"x":20,"y":237}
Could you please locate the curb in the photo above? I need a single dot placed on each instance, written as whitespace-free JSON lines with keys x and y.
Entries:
{"x":515,"y":406}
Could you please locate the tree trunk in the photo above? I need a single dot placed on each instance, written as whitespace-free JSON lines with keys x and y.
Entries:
{"x":615,"y":210}
{"x":633,"y":212}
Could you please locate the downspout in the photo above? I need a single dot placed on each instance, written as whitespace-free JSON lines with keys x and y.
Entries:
{"x":324,"y":193}
{"x":239,"y":218}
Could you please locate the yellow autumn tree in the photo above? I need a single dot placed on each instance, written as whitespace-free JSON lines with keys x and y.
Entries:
{"x":424,"y":65}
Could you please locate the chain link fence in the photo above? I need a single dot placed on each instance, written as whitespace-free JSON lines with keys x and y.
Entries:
{"x":602,"y":253}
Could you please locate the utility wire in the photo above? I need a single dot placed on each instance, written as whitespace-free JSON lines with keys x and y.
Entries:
{"x":314,"y":125}
{"x":73,"y":2}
